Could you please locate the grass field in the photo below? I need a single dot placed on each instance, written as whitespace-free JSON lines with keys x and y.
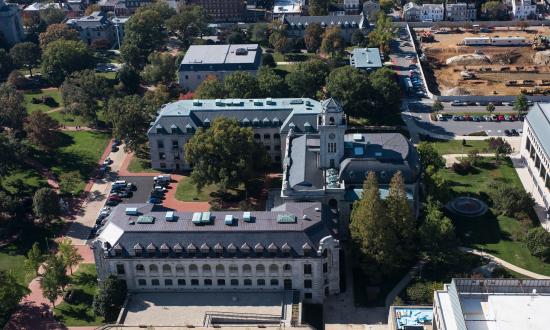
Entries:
{"x":23,"y":181}
{"x":187,"y":191}
{"x":490,"y":232}
{"x":77,"y":151}
{"x":29,"y":95}
{"x":80,"y":312}
{"x":138,"y":165}
{"x":456,"y":147}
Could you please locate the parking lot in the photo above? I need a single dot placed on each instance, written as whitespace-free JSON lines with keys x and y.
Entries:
{"x":403,"y":58}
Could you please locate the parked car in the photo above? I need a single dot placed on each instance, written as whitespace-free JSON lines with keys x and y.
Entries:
{"x":468,"y":118}
{"x":487,"y":118}
{"x":107,"y":161}
{"x":497,"y":103}
{"x":114,"y":148}
{"x":514,"y":132}
{"x":456,"y":103}
{"x":440,"y":117}
{"x":507,"y":132}
{"x":112,"y":202}
{"x":476,"y":118}
{"x":125,"y":193}
{"x":154,"y":200}
{"x":114,"y":197}
{"x":500,"y":117}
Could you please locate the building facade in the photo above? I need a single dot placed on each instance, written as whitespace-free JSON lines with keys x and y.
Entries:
{"x":352,"y":7}
{"x":535,"y":149}
{"x":287,"y":8}
{"x":411,"y":12}
{"x":461,"y":11}
{"x":202,"y":61}
{"x":291,"y":247}
{"x":523,"y":9}
{"x":11,"y":26}
{"x":347,"y":23}
{"x":95,"y":28}
{"x":270,"y":119}
{"x":122,"y":7}
{"x":431,"y":12}
{"x":221,"y":10}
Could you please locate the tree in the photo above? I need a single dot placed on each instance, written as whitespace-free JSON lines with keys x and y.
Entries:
{"x":54,"y":279}
{"x":500,"y":147}
{"x":421,"y":293}
{"x":278,"y":39}
{"x":218,"y":158}
{"x":154,"y":99}
{"x":130,"y":122}
{"x":162,"y":68}
{"x":132,"y":55}
{"x":270,"y":84}
{"x":332,"y":43}
{"x":313,"y":36}
{"x":129,"y":79}
{"x":92,"y":8}
{"x":81,"y":92}
{"x":69,"y":254}
{"x":63,"y":57}
{"x":357,"y":38}
{"x":520,"y":104}
{"x":351,"y":87}
{"x":11,"y":293}
{"x":383,"y":33}
{"x":429,"y":156}
{"x":436,"y":234}
{"x":371,"y":236}
{"x":162,"y":8}
{"x":385,"y":89}
{"x":12,"y":112}
{"x":52,"y":15}
{"x":401,"y":220}
{"x":13,"y":152}
{"x":110,"y":297}
{"x":490,"y":108}
{"x":259,"y":33}
{"x":190,"y":23}
{"x":386,"y":6}
{"x":538,"y":243}
{"x":210,"y":88}
{"x":46,"y":204}
{"x":69,"y":183}
{"x":6,"y":64}
{"x":17,"y":79}
{"x":268,"y":60}
{"x":494,"y":10}
{"x":143,"y":33}
{"x":56,"y":32}
{"x":34,"y":259}
{"x":241,"y":85}
{"x":318,"y":7}
{"x":437,"y":106}
{"x":236,"y":36}
{"x":307,"y":79}
{"x":508,"y":199}
{"x":42,"y":129}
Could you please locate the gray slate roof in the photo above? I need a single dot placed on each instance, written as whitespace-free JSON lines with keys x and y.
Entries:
{"x":345,"y":21}
{"x":539,"y":119}
{"x":124,"y":231}
{"x":303,"y":172}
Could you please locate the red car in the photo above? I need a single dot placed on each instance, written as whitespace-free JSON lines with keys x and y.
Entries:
{"x":500,"y":117}
{"x":114,"y":197}
{"x":468,"y":118}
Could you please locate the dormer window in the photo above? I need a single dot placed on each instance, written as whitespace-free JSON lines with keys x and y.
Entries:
{"x":159,"y":129}
{"x":189,"y":129}
{"x":306,"y":248}
{"x":118,"y":250}
{"x":191,"y":249}
{"x":245,"y":248}
{"x":218,"y":248}
{"x":231,"y":248}
{"x":138,"y":249}
{"x":164,"y":249}
{"x":272,"y":249}
{"x":151,"y":249}
{"x":206,"y":123}
{"x":259,"y":248}
{"x":178,"y":249}
{"x":174,"y":129}
{"x":286,"y":249}
{"x":205,"y":248}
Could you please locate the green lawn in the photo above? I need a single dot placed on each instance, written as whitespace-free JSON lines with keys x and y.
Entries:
{"x":29,"y":95}
{"x":187,"y":191}
{"x":23,"y":181}
{"x":456,"y":147}
{"x":490,"y":232}
{"x":293,"y":57}
{"x":67,"y":119}
{"x":80,"y":311}
{"x":139,"y":165}
{"x":77,"y":151}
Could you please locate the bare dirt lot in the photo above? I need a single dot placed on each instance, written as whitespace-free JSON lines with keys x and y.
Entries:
{"x":486,"y":70}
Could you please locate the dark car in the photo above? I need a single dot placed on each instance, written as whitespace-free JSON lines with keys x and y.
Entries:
{"x":507,"y":132}
{"x":157,"y":194}
{"x":125,"y":193}
{"x":514,"y":132}
{"x":154,"y":200}
{"x":114,"y":148}
{"x":114,"y":197}
{"x":112,"y":202}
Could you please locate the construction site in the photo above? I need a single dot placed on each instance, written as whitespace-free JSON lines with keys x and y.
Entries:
{"x":486,"y":61}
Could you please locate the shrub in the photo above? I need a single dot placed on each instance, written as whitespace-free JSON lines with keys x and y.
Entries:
{"x":50,"y":101}
{"x":538,"y":243}
{"x":421,"y":293}
{"x":462,"y":168}
{"x":509,"y":200}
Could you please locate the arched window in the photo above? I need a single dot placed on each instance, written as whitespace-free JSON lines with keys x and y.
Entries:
{"x":260,"y":269}
{"x":193,"y":269}
{"x":274,"y":282}
{"x":257,"y":136}
{"x":153,"y":268}
{"x":273,"y":269}
{"x":261,"y":282}
{"x":140,"y":268}
{"x":220,"y":269}
{"x":180,"y":269}
{"x":166,"y":269}
{"x":247,"y":282}
{"x":287,"y":268}
{"x":247,"y":269}
{"x":233,"y":269}
{"x":206,"y":269}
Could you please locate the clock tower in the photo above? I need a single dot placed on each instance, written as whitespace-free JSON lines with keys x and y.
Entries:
{"x":332,"y":126}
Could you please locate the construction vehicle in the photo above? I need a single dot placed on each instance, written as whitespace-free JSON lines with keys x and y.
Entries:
{"x":540,"y":42}
{"x":427,"y":36}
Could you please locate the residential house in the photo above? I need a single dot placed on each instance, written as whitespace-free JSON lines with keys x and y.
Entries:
{"x":352,"y":7}
{"x":287,"y":8}
{"x":94,"y":28}
{"x":523,"y":9}
{"x":122,"y":7}
{"x":411,"y":12}
{"x":461,"y":11}
{"x":431,"y":12}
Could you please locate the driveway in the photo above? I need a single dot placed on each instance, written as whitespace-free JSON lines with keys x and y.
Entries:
{"x":144,"y":184}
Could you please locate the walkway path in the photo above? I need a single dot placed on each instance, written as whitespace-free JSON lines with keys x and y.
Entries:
{"x":404,"y":282}
{"x":505,"y":264}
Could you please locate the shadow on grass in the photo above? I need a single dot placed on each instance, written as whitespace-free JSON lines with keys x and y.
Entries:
{"x":478,"y":230}
{"x":77,"y":312}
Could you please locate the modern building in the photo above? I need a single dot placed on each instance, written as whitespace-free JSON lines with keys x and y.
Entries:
{"x":94,"y":28}
{"x":221,"y":10}
{"x":503,"y":304}
{"x":523,"y":9}
{"x":347,"y":23}
{"x":367,"y":59}
{"x":330,"y":166}
{"x":461,"y":11}
{"x":535,"y":149}
{"x":287,"y":8}
{"x":11,"y":27}
{"x":271,"y":120}
{"x":201,"y":61}
{"x":371,"y":9}
{"x":291,"y":247}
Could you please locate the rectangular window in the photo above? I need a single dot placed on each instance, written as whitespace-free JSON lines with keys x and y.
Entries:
{"x":160,"y":144}
{"x":194,"y":282}
{"x":155,"y":282}
{"x":308,"y":295}
{"x":175,"y":144}
{"x":168,"y":282}
{"x":325,"y":267}
{"x":308,"y":284}
{"x":234,"y":282}
{"x":274,"y":282}
{"x":162,"y":155}
{"x":208,"y":282}
{"x":120,"y":269}
{"x":221,"y":282}
{"x":247,"y":282}
{"x":307,"y":269}
{"x":261,"y":282}
{"x":181,"y":281}
{"x":142,"y":282}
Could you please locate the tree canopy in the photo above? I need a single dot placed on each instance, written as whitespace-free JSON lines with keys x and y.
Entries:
{"x":190,"y":23}
{"x":52,"y":15}
{"x":25,"y":55}
{"x":45,"y":204}
{"x":42,"y":129}
{"x":82,"y":91}
{"x":318,"y":7}
{"x":143,"y":33}
{"x":210,"y":88}
{"x":313,"y":35}
{"x":352,"y":88}
{"x":241,"y":85}
{"x":429,"y":156}
{"x":56,"y":32}
{"x":307,"y":78}
{"x":12,"y":112}
{"x":225,"y":154}
{"x":437,"y":234}
{"x":538,"y":243}
{"x":161,"y":68}
{"x":11,"y":293}
{"x":332,"y":43}
{"x":278,"y":38}
{"x":383,"y":33}
{"x":110,"y":297}
{"x":6,"y":64}
{"x":130,"y":121}
{"x":63,"y":57}
{"x":270,"y":84}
